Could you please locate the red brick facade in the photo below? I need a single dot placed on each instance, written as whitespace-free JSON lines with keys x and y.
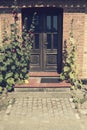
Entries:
{"x":78,"y":29}
{"x":76,"y":10}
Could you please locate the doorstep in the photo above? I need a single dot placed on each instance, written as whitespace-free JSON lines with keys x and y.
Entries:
{"x":35,"y":85}
{"x":44,"y":74}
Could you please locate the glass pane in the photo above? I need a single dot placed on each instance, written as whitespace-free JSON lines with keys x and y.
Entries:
{"x":55,"y":41}
{"x":36,"y":41}
{"x":55,"y":23}
{"x":49,"y":41}
{"x":48,"y":23}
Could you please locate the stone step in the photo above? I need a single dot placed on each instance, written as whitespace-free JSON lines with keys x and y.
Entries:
{"x":35,"y":83}
{"x":44,"y":74}
{"x":40,"y":89}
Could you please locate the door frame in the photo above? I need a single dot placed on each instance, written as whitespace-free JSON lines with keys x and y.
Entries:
{"x":60,"y":31}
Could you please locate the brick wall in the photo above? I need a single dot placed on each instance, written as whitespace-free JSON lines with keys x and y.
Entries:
{"x":84,"y":69}
{"x":72,"y":10}
{"x":78,"y":30}
{"x":6,"y":19}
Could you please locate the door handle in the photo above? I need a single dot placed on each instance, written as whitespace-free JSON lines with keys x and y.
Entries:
{"x":45,"y":43}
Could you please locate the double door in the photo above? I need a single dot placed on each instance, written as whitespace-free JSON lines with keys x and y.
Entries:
{"x":46,"y":53}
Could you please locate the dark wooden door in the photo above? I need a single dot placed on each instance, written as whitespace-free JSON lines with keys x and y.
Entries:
{"x":46,"y":54}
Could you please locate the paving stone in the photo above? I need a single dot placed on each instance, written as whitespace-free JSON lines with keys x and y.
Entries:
{"x":41,"y":111}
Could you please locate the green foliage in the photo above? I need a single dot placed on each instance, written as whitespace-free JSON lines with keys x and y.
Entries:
{"x":1,"y":89}
{"x":15,"y":56}
{"x":70,"y":64}
{"x":70,"y":70}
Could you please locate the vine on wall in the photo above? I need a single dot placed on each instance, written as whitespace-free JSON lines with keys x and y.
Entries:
{"x":70,"y":69}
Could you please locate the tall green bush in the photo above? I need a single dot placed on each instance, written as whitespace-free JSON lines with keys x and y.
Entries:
{"x":15,"y":56}
{"x":70,"y":69}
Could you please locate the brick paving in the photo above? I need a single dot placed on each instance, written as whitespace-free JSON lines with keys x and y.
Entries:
{"x":55,"y":107}
{"x":40,"y":111}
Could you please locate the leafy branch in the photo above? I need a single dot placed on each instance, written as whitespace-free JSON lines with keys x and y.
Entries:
{"x":70,"y":70}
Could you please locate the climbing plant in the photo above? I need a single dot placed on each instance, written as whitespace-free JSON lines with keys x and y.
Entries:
{"x":15,"y":56}
{"x":70,"y":69}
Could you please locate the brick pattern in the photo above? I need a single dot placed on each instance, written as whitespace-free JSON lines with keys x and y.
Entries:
{"x":8,"y":18}
{"x":19,"y":23}
{"x":72,"y":9}
{"x":35,"y":81}
{"x":78,"y":30}
{"x":5,"y":21}
{"x":85,"y":50}
{"x":42,"y":105}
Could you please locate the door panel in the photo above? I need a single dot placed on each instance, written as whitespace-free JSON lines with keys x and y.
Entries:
{"x":46,"y":53}
{"x":36,"y":52}
{"x":51,"y":32}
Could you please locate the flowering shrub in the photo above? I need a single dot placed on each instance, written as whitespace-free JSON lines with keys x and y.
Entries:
{"x":70,"y":70}
{"x":70,"y":67}
{"x":15,"y":56}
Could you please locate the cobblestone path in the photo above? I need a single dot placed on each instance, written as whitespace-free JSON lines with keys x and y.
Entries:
{"x":40,"y":111}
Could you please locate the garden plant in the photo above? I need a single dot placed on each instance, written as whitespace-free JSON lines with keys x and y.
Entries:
{"x":70,"y":70}
{"x":15,"y":53}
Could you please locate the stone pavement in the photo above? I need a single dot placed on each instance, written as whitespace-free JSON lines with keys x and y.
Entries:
{"x":41,"y":111}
